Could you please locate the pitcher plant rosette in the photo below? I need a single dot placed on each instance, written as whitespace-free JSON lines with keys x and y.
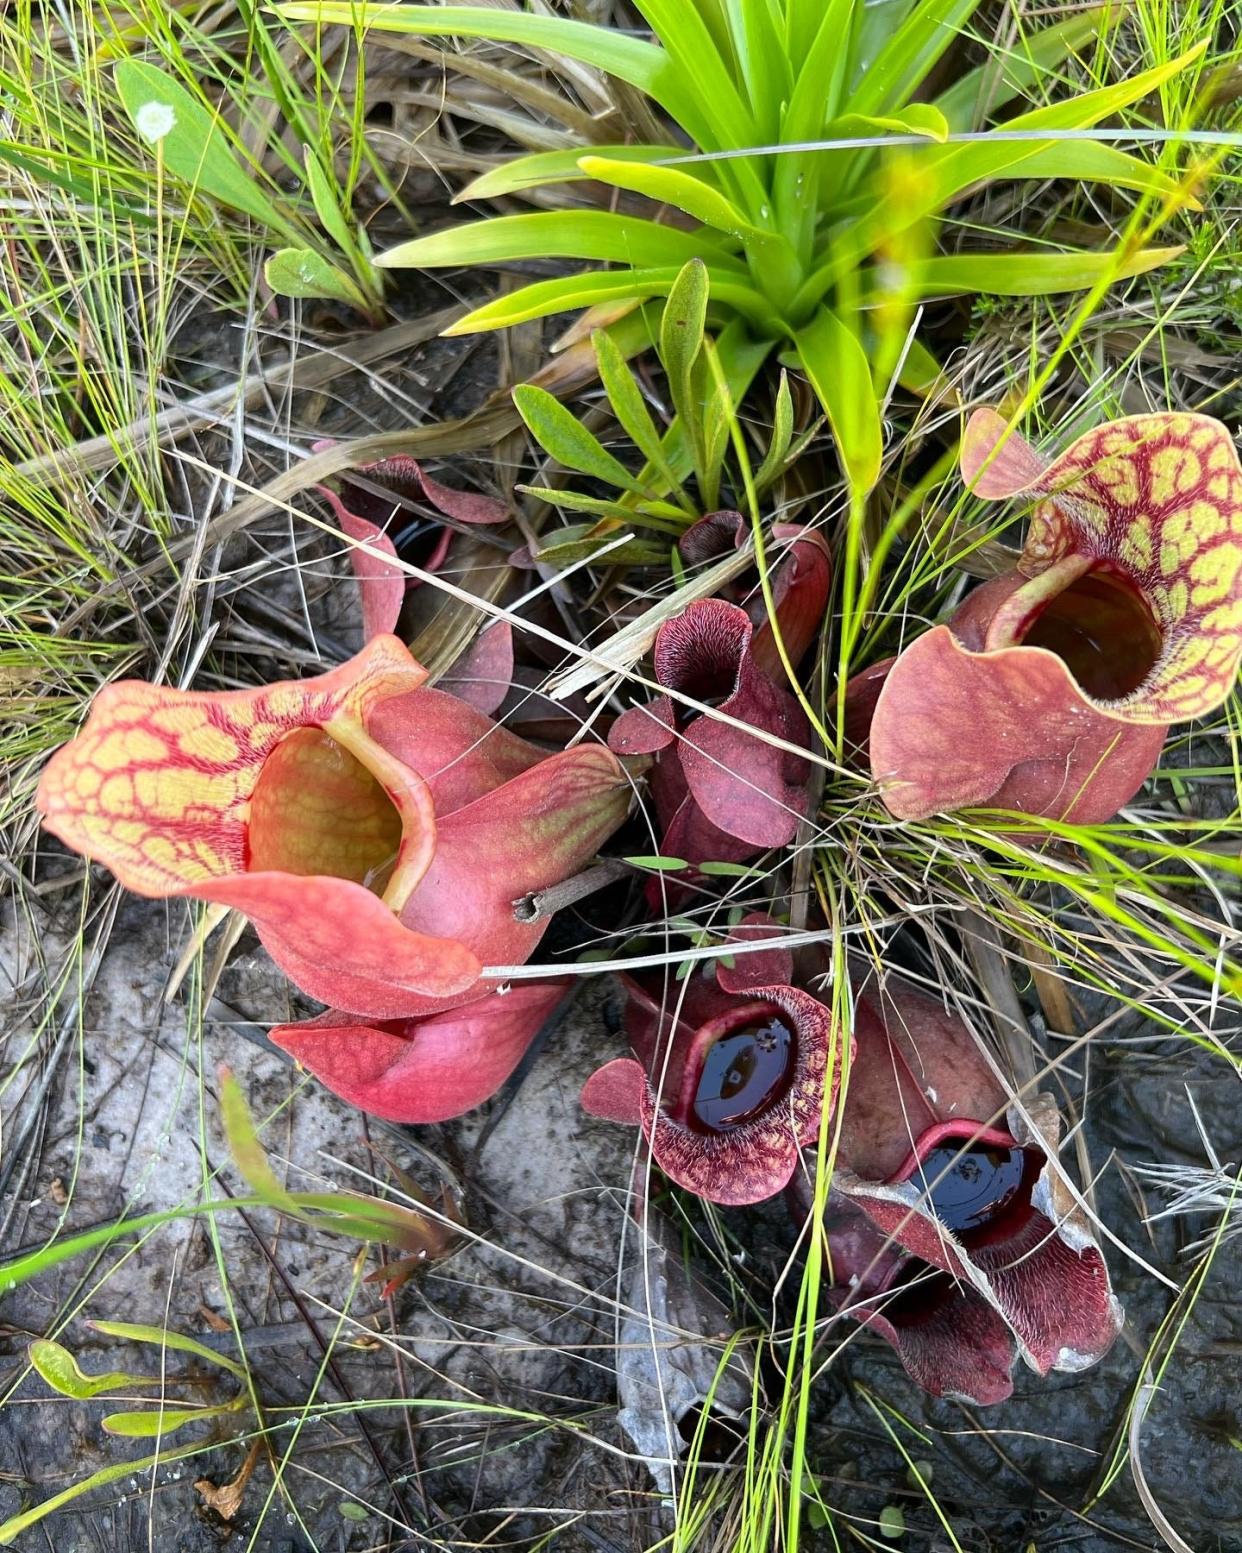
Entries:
{"x":720,"y":793}
{"x":733,"y":1073}
{"x":1052,"y":688}
{"x":376,"y":832}
{"x":951,"y":1232}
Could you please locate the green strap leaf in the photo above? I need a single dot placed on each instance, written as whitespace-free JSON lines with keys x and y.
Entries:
{"x":906,"y":58}
{"x":1092,"y":160}
{"x":593,"y":287}
{"x":1011,"y":73}
{"x":628,"y":405}
{"x":671,"y":186}
{"x":159,"y":1421}
{"x":562,"y":436}
{"x":1030,"y":273}
{"x":920,"y":118}
{"x":61,"y":1371}
{"x":544,"y":167}
{"x":190,"y":140}
{"x":246,"y":1148}
{"x":836,"y":363}
{"x":599,"y":235}
{"x":160,"y":1337}
{"x":704,"y":70}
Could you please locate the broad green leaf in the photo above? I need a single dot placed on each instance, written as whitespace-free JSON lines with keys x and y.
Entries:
{"x":544,"y":167}
{"x":729,"y":870}
{"x":301,"y":272}
{"x":600,"y":235}
{"x":323,"y":196}
{"x":658,"y":864}
{"x":161,"y":1422}
{"x":247,"y":1149}
{"x":628,"y":405}
{"x":782,"y":435}
{"x":594,"y":287}
{"x":562,"y":436}
{"x":1030,"y":272}
{"x":834,"y":360}
{"x":61,"y":1371}
{"x":189,"y":139}
{"x":671,"y":186}
{"x":160,"y":1337}
{"x":919,"y":118}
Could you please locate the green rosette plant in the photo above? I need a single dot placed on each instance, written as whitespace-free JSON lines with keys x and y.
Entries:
{"x":809,"y":162}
